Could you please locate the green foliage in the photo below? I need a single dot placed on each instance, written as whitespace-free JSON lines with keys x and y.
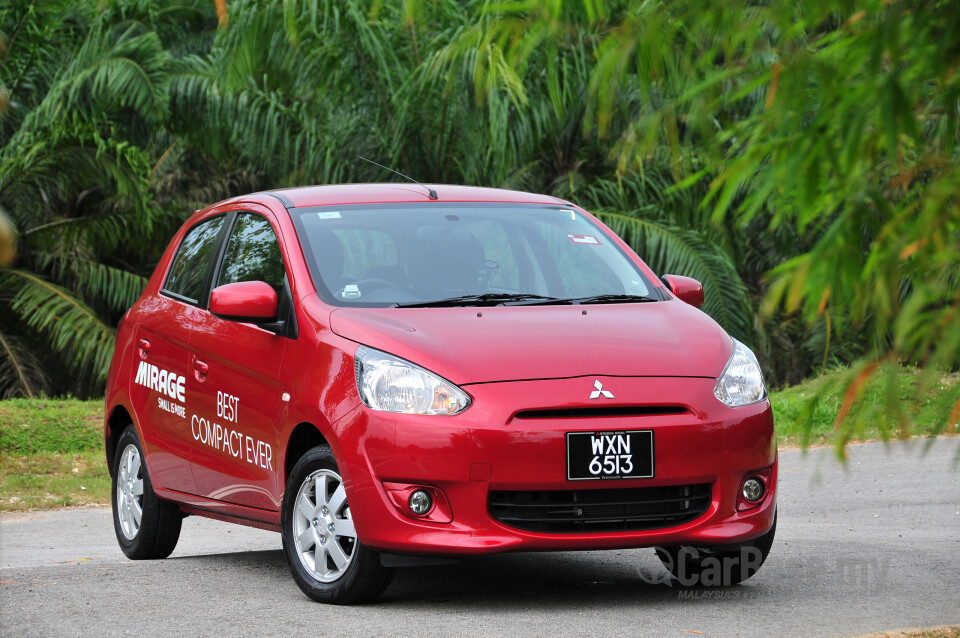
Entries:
{"x":21,"y":371}
{"x":297,"y":94}
{"x":51,"y":426}
{"x":43,"y":481}
{"x":835,"y":120}
{"x":896,"y":402}
{"x":73,"y":328}
{"x":51,"y":454}
{"x":76,"y":185}
{"x":800,"y":158}
{"x":678,"y":250}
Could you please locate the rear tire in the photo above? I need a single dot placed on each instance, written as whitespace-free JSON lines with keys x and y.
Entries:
{"x":326,"y":558}
{"x":720,"y":566}
{"x":147,"y":527}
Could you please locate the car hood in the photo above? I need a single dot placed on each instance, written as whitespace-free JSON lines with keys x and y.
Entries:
{"x":509,"y":343}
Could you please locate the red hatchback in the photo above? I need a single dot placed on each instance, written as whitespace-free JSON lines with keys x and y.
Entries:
{"x":386,"y":376}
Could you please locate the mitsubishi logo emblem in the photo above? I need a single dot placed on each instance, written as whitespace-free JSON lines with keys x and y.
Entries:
{"x":596,"y":394}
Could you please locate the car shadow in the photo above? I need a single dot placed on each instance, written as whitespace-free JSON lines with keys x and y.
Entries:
{"x":516,"y":581}
{"x":594,"y":580}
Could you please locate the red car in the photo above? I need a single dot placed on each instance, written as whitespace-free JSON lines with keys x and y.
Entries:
{"x":387,"y":374}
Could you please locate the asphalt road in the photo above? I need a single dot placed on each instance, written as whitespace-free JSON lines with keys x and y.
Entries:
{"x":873,"y":547}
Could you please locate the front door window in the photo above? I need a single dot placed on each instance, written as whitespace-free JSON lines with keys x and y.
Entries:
{"x":235,"y":457}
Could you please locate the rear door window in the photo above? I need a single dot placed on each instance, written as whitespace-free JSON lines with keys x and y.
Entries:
{"x":188,"y":273}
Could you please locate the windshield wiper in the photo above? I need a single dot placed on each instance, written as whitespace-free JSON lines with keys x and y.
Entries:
{"x":613,"y":299}
{"x":593,"y":299}
{"x":488,"y":299}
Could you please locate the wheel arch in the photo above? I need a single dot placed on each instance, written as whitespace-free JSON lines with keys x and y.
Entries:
{"x":305,"y":436}
{"x":118,"y":420}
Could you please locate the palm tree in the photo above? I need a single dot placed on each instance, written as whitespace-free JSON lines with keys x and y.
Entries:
{"x":772,"y":152}
{"x":75,"y":185}
{"x":297,"y":92}
{"x":829,"y":122}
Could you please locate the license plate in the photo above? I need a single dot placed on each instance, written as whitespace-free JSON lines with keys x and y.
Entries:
{"x":616,"y":454}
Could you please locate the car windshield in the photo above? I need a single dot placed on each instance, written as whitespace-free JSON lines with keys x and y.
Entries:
{"x":464,"y":254}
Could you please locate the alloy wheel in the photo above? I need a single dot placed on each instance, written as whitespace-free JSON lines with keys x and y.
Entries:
{"x":325,"y":538}
{"x":130,"y":492}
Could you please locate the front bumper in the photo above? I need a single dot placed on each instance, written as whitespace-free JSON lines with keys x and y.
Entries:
{"x":709,"y":443}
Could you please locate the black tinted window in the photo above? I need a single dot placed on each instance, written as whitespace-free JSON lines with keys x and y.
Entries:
{"x":253,"y":253}
{"x":189,"y":269}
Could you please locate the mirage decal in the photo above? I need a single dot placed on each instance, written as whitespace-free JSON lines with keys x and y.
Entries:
{"x":164,"y":382}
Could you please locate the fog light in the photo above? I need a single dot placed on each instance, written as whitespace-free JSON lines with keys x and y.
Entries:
{"x":420,"y":502}
{"x":752,"y":490}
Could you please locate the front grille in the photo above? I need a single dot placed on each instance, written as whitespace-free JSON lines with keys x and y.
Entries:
{"x":585,"y":511}
{"x":601,"y":411}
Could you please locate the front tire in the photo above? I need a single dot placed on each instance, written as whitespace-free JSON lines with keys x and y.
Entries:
{"x":717,"y":566}
{"x":147,"y":527}
{"x":326,"y":558}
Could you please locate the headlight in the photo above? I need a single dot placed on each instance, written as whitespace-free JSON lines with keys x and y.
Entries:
{"x":741,"y":382}
{"x":393,"y":384}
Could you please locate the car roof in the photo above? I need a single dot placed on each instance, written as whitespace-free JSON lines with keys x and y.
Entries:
{"x":401,"y":192}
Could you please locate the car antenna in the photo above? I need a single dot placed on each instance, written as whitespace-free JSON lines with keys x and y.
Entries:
{"x":432,"y":193}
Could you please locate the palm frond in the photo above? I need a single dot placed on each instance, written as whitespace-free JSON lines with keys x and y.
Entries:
{"x":21,"y":372}
{"x":117,"y":288}
{"x":71,"y":327}
{"x":689,"y":253}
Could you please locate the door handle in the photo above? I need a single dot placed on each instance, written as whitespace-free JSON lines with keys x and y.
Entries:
{"x":200,"y":370}
{"x":144,"y":347}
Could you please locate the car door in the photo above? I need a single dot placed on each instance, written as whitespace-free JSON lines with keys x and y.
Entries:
{"x":238,"y":364}
{"x":159,"y":392}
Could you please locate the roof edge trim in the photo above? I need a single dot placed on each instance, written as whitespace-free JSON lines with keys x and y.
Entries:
{"x":282,"y":198}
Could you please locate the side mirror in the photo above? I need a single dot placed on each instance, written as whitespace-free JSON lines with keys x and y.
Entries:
{"x":685,"y":289}
{"x":247,"y":301}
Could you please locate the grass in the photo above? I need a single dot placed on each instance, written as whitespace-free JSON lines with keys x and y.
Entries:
{"x":51,"y":454}
{"x":895,"y":402}
{"x":51,"y":450}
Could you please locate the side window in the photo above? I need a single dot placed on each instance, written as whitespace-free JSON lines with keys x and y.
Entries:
{"x":188,"y":272}
{"x":253,"y":253}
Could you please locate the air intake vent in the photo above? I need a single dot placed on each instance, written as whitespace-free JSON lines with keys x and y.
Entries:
{"x":585,"y":511}
{"x":601,"y":411}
